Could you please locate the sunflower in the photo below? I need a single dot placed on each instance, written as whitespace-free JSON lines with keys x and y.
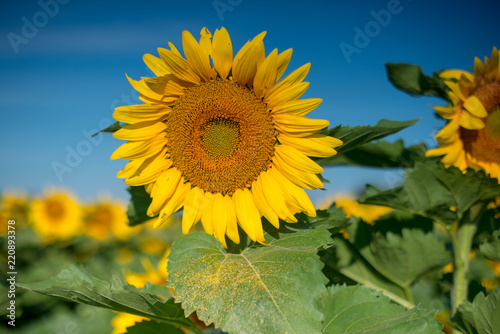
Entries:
{"x":367,"y":212}
{"x":56,"y":217}
{"x":107,"y":218}
{"x":225,"y":139}
{"x":471,"y":138}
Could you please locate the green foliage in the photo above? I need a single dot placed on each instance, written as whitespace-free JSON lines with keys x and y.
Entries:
{"x":138,"y":205}
{"x":153,"y":327}
{"x":491,"y":248}
{"x":359,"y":135}
{"x":482,"y":316}
{"x":265,"y":289}
{"x":76,"y":285}
{"x":333,"y":218}
{"x":410,"y":79}
{"x":358,"y":309}
{"x":110,"y":129}
{"x":439,"y":193}
{"x":378,"y":154}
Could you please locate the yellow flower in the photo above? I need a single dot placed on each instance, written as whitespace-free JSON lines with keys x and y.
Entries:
{"x":57,"y":217}
{"x":156,"y":276}
{"x":226,"y":140}
{"x":108,"y":218}
{"x":369,"y":213}
{"x":471,"y":138}
{"x":15,"y":205}
{"x":122,"y":321}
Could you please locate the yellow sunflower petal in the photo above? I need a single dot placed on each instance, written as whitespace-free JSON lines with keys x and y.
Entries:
{"x":243,"y":72}
{"x":220,"y":218}
{"x":139,"y":149}
{"x":222,"y":52}
{"x":456,"y":74}
{"x":262,"y":204}
{"x":157,"y":65}
{"x":193,"y":207}
{"x":475,"y":107}
{"x":195,"y":56}
{"x":293,"y":78}
{"x":297,"y":107}
{"x":307,"y":146}
{"x":275,"y":198}
{"x":265,"y":76}
{"x":286,"y":93}
{"x":248,"y":215}
{"x":300,"y":178}
{"x":455,"y":150}
{"x":142,"y":88}
{"x":478,"y":67}
{"x":174,"y":203}
{"x":446,"y":111}
{"x":293,"y":194}
{"x":326,"y":140}
{"x":435,"y":152}
{"x":232,"y":226}
{"x":283,"y":61}
{"x":149,"y":170}
{"x":165,"y":187}
{"x":140,"y":113}
{"x":294,"y":157}
{"x":140,"y":131}
{"x":207,"y":218}
{"x":470,"y":122}
{"x":165,"y":86}
{"x":206,"y":42}
{"x":179,"y":66}
{"x":299,"y":126}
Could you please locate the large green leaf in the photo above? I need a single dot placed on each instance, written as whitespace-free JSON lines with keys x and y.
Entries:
{"x":359,"y":135}
{"x":410,"y":79}
{"x":491,"y":248}
{"x":439,"y":193}
{"x":346,"y":259}
{"x":76,"y":285}
{"x":378,"y":154}
{"x":138,"y":206}
{"x":265,"y":289}
{"x":482,"y":316}
{"x":359,"y":309}
{"x":402,"y":259}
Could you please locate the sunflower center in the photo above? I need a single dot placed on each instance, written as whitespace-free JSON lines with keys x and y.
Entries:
{"x":484,"y":144}
{"x":220,"y":136}
{"x":54,"y":209}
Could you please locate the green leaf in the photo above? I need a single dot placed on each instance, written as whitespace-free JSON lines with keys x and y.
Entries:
{"x":359,"y":135}
{"x":491,"y":248}
{"x":358,"y":309}
{"x":378,"y":154}
{"x":153,"y":327}
{"x":334,"y":218}
{"x":345,"y":259}
{"x":410,"y":79}
{"x":482,"y":316}
{"x":110,"y":129}
{"x":265,"y":289}
{"x":138,"y":206}
{"x":402,"y":259}
{"x":76,"y":285}
{"x":439,"y":193}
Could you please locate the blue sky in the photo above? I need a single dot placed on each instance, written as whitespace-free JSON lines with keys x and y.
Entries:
{"x":63,"y":68}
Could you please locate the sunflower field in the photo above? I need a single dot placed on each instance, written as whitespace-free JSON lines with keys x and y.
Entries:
{"x":220,"y":234}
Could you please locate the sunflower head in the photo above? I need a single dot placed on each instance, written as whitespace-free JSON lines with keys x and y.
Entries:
{"x":56,"y":217}
{"x":369,"y":213}
{"x":471,"y":138}
{"x":224,"y":137}
{"x":107,"y":218}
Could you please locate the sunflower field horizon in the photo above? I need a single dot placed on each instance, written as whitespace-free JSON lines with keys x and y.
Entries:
{"x":227,"y":229}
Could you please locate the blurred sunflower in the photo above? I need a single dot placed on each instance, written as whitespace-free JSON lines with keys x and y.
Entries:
{"x":122,"y":321}
{"x":15,"y":205}
{"x":351,"y":207}
{"x":471,"y":138}
{"x":108,"y":218}
{"x":157,"y":276}
{"x":226,"y":140}
{"x":56,"y":217}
